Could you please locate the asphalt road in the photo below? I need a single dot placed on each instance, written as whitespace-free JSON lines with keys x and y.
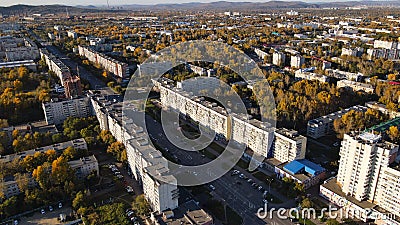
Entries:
{"x":242,"y":197}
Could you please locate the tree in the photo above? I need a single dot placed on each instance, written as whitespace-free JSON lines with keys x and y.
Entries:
{"x":332,"y":222}
{"x":61,"y":171}
{"x":141,"y":205}
{"x":79,"y":200}
{"x":394,"y":134}
{"x":118,"y":150}
{"x":306,"y":203}
{"x":22,"y":181}
{"x":3,"y":123}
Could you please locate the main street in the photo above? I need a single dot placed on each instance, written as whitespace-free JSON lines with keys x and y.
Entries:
{"x":234,"y":191}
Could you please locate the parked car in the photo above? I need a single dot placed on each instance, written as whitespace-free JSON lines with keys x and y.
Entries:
{"x":129,"y":189}
{"x":212,"y":187}
{"x":130,"y":213}
{"x":59,"y":205}
{"x":50,"y":208}
{"x":249,"y":180}
{"x":42,"y":211}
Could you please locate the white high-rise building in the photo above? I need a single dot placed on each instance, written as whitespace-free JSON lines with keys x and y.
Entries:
{"x":296,"y":61}
{"x":278,"y":58}
{"x":363,"y":159}
{"x":368,"y":182}
{"x":288,"y":145}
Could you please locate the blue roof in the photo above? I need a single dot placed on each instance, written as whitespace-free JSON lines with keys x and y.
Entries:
{"x":300,"y":165}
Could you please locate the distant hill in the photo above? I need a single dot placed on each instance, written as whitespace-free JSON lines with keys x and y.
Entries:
{"x":43,"y":9}
{"x":219,"y":5}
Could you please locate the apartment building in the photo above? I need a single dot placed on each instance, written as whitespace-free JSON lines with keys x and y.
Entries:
{"x":10,"y":186}
{"x":113,"y":66}
{"x":355,"y":86}
{"x":78,"y":144}
{"x":305,"y":75}
{"x":296,"y":61}
{"x":72,"y":34}
{"x":357,"y":52}
{"x":288,"y":145}
{"x":85,"y":166}
{"x":147,"y":164}
{"x":55,"y":65}
{"x":390,"y":54}
{"x":18,"y":49}
{"x":56,"y":111}
{"x":30,"y":64}
{"x":73,"y":87}
{"x":343,"y":75}
{"x":323,"y":126}
{"x":383,"y":109}
{"x":278,"y":58}
{"x":385,"y":44}
{"x":368,"y":180}
{"x":261,"y":54}
{"x":253,"y":133}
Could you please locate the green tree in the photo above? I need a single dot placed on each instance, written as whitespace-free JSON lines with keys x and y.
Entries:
{"x":141,"y":205}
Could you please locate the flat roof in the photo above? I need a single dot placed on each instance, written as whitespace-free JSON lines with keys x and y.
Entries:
{"x":299,"y":165}
{"x":333,"y":186}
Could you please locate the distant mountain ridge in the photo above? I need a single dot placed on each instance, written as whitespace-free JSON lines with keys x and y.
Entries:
{"x":219,"y":5}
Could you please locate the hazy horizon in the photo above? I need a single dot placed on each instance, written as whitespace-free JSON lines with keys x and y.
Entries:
{"x":128,"y":2}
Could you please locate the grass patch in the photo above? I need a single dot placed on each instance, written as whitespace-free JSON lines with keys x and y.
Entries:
{"x":243,"y":164}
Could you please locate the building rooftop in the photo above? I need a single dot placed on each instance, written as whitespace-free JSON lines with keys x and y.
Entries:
{"x":333,"y":186}
{"x":77,"y":144}
{"x":383,"y":127}
{"x":82,"y":161}
{"x":303,"y":165}
{"x":335,"y":115}
{"x":187,"y":213}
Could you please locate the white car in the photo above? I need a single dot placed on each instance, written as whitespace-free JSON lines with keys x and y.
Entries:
{"x":50,"y":208}
{"x":60,"y":205}
{"x":42,"y":211}
{"x":129,"y":189}
{"x":212,"y":187}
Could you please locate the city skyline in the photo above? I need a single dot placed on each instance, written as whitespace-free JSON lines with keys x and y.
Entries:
{"x":7,"y":3}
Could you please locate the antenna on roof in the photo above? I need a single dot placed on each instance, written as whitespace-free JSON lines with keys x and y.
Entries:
{"x":66,"y":9}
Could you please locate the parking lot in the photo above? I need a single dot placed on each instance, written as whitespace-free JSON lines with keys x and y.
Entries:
{"x":46,"y":218}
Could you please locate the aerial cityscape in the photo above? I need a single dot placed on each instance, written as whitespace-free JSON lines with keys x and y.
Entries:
{"x":225,"y":113}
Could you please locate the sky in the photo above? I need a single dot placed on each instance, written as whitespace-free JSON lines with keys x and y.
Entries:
{"x":116,"y":2}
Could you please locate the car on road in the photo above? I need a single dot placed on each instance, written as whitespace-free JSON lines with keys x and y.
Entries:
{"x":212,"y":187}
{"x":238,"y":183}
{"x":59,"y":205}
{"x":130,"y":213}
{"x":265,"y":200}
{"x":129,"y":189}
{"x":42,"y":211}
{"x":249,"y":180}
{"x":50,"y":208}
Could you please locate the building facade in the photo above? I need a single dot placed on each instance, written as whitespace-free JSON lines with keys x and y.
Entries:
{"x":323,"y":126}
{"x":56,"y":112}
{"x":113,"y":66}
{"x":288,"y":145}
